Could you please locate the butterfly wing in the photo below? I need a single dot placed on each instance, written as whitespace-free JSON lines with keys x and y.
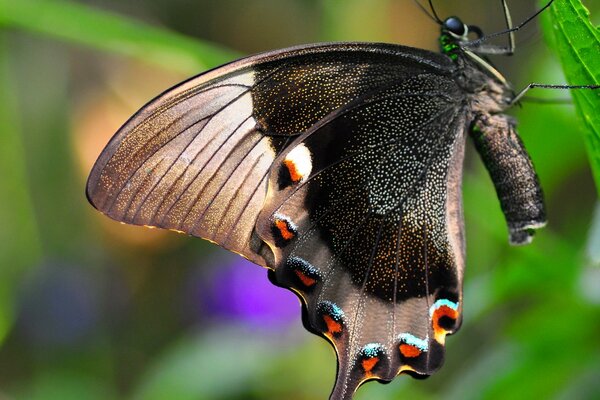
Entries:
{"x":363,"y":216}
{"x":338,"y":167}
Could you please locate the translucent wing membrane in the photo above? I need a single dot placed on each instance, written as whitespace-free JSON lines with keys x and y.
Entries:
{"x":194,"y":160}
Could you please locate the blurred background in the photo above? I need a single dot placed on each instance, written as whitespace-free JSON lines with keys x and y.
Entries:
{"x":93,"y":309}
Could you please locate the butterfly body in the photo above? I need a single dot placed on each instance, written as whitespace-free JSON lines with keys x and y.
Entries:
{"x":337,"y":166}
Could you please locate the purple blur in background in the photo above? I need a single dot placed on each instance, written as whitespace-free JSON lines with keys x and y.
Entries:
{"x":240,"y":291}
{"x":59,"y":305}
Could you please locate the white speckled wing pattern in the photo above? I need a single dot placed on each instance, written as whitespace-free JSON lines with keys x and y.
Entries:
{"x":364,"y":238}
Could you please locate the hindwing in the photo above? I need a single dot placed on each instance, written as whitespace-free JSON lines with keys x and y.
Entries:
{"x":363,"y":216}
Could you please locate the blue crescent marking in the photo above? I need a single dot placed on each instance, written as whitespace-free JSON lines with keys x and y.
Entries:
{"x":372,"y":350}
{"x":443,"y":302}
{"x":332,"y":309}
{"x":421,"y":344}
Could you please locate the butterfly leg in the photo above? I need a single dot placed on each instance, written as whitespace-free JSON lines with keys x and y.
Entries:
{"x":481,"y":47}
{"x":513,"y":174}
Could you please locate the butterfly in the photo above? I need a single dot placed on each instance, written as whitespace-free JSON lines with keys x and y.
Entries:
{"x":338,"y":167}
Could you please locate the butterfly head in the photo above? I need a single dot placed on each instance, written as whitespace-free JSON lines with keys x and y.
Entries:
{"x":455,"y":32}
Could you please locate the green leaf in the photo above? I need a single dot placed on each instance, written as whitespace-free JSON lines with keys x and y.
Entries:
{"x":106,"y":31}
{"x":577,"y":42}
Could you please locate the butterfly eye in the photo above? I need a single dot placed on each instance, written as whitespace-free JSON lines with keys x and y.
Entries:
{"x":455,"y":26}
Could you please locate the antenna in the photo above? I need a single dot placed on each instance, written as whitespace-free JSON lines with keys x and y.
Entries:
{"x":426,"y":12}
{"x":437,"y":19}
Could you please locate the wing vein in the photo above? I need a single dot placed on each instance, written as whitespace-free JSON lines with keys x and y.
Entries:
{"x":396,"y":271}
{"x":427,"y":301}
{"x":183,"y":173}
{"x":212,"y":200}
{"x":209,"y":119}
{"x":209,"y":180}
{"x":266,"y":174}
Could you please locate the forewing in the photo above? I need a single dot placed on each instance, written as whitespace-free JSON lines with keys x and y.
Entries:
{"x":364,"y":219}
{"x":197,"y":158}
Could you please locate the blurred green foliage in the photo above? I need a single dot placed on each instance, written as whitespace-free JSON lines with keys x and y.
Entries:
{"x":93,"y":309}
{"x":106,"y":31}
{"x":18,"y":218}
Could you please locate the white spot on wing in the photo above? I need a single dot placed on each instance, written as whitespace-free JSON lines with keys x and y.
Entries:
{"x":299,"y":162}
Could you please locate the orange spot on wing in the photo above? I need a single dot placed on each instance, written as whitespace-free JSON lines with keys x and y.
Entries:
{"x":306,"y":280}
{"x":369,"y":363}
{"x":295,"y":175}
{"x":286,"y":233}
{"x":443,"y":311}
{"x":332,"y":325}
{"x":409,"y":350}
